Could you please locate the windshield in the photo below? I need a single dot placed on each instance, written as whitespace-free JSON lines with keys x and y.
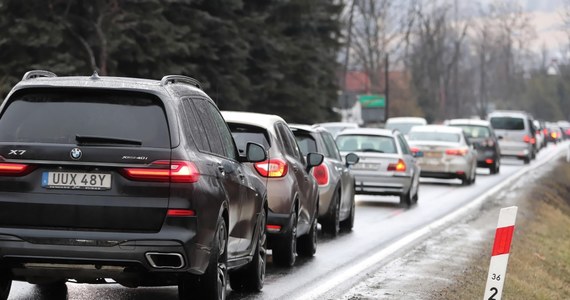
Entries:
{"x":434,"y":136}
{"x":60,"y":117}
{"x":366,"y":143}
{"x":402,"y":127}
{"x":474,"y":131}
{"x":507,"y":123}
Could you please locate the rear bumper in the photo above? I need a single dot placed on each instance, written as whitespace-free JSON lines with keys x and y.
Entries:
{"x":487,"y":157}
{"x":85,"y":256}
{"x":382,"y":185}
{"x":452,"y":168}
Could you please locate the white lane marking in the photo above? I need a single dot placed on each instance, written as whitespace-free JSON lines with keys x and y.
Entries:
{"x":343,"y":275}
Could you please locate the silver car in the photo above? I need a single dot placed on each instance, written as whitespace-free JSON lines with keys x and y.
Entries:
{"x":516,"y":134}
{"x":386,"y":167}
{"x":444,"y":152}
{"x":336,"y":183}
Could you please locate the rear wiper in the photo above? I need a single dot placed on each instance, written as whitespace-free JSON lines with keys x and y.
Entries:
{"x":104,"y":140}
{"x":371,"y":150}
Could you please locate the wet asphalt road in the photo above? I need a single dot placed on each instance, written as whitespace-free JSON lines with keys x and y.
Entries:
{"x":379,"y":222}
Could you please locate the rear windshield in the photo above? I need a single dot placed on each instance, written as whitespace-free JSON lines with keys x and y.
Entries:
{"x":244,"y":134}
{"x":366,"y":143}
{"x":507,"y":123}
{"x":473,"y":131}
{"x":404,"y":128}
{"x":434,"y":136}
{"x":306,"y":143}
{"x":59,"y":117}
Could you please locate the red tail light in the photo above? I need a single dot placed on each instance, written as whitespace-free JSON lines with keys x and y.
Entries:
{"x":165,"y":171}
{"x":414,"y":150}
{"x":11,"y":169}
{"x":321,"y":174}
{"x":457,"y":152}
{"x":180,"y":213}
{"x":528,"y":139}
{"x":545,"y":131}
{"x":568,"y":131}
{"x":400,"y":166}
{"x":273,"y":168}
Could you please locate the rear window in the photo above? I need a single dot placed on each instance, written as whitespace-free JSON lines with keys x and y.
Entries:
{"x":473,"y":131}
{"x":306,"y":142}
{"x":244,"y":134}
{"x":507,"y":123}
{"x":59,"y":117}
{"x":366,"y":143}
{"x":434,"y":136}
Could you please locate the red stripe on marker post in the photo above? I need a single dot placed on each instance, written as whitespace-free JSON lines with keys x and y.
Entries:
{"x":500,"y":254}
{"x":503,"y":238}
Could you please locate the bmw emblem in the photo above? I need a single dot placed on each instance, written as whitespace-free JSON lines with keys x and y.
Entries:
{"x":75,"y":153}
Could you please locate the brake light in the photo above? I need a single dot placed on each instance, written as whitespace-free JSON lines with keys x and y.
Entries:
{"x":554,"y":135}
{"x":273,"y":228}
{"x":180,"y":213}
{"x":414,"y":150}
{"x":273,"y":168}
{"x":321,"y":174}
{"x":568,"y":131}
{"x":400,"y":166}
{"x":11,"y":169}
{"x":165,"y":171}
{"x":528,"y":139}
{"x":545,"y":131}
{"x":489,"y":161}
{"x":457,"y":152}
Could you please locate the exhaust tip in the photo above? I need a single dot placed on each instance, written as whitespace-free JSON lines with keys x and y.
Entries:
{"x":161,"y":260}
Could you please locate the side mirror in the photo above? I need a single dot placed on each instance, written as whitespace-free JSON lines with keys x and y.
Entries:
{"x":255,"y":153}
{"x":500,"y":137}
{"x":313,"y":160}
{"x":351,"y":159}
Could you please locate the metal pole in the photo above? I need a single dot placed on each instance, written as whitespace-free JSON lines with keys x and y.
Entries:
{"x":346,"y":60}
{"x":387,"y":91}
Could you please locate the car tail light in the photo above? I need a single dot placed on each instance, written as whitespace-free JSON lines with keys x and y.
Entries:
{"x":489,"y":161}
{"x":180,"y":213}
{"x":457,"y":152}
{"x":568,"y":131}
{"x":165,"y":171}
{"x":273,"y":168}
{"x":554,"y":135}
{"x":321,"y":174}
{"x":414,"y":150}
{"x":400,"y":166}
{"x":273,"y":228}
{"x":545,"y":131}
{"x":528,"y":139}
{"x":12,"y":169}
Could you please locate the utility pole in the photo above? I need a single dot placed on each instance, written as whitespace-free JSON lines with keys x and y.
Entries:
{"x":346,"y":60}
{"x":387,"y":90}
{"x":456,"y":67}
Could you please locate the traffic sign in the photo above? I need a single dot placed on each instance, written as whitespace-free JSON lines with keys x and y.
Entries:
{"x":370,"y":101}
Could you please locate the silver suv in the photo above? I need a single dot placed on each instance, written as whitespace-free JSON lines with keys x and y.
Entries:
{"x":516,"y":134}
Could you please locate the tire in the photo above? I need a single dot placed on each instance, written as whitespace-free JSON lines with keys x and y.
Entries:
{"x":213,"y":283}
{"x":526,"y":160}
{"x":416,"y":197}
{"x":465,"y":180}
{"x":348,"y":224}
{"x":285,"y":249}
{"x":5,"y":284}
{"x":494,"y":169}
{"x":474,"y":175}
{"x":307,"y":244}
{"x":251,"y":277}
{"x":406,"y":199}
{"x":331,"y":224}
{"x":53,"y":290}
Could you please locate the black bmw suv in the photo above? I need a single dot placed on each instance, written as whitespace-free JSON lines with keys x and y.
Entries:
{"x":131,"y":179}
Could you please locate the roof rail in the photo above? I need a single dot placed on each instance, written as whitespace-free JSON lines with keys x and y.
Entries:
{"x":37,"y":73}
{"x":180,"y":79}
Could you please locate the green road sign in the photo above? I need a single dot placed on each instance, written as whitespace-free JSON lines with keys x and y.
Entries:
{"x":372,"y":100}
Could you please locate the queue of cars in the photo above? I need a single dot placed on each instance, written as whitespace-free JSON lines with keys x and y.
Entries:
{"x":146,"y":182}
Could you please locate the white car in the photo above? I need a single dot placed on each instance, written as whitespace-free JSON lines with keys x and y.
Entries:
{"x":404,"y":124}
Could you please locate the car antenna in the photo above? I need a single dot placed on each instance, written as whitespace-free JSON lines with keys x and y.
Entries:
{"x":95,"y":75}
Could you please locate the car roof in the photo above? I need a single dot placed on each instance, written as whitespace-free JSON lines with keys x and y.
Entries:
{"x":248,"y":118}
{"x":367,"y":131}
{"x":437,"y":128}
{"x":102,"y":82}
{"x":469,"y":122}
{"x":509,"y":113}
{"x":309,"y":128}
{"x":406,"y":120}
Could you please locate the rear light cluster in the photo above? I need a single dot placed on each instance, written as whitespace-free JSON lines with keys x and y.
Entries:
{"x":545,"y":131}
{"x":568,"y":131}
{"x":321,"y":174}
{"x":554,"y":135}
{"x":415,"y":150}
{"x":165,"y":171}
{"x":273,"y":168}
{"x":457,"y":152}
{"x":13,"y":169}
{"x":400,"y":166}
{"x":527,"y":139}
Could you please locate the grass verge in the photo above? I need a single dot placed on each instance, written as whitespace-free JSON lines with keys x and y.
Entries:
{"x":539,"y":263}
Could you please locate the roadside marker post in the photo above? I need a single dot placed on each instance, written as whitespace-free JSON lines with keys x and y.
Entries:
{"x":500,"y":254}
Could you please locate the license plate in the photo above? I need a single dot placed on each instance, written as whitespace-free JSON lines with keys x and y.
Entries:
{"x":76,"y":181}
{"x":367,"y":166}
{"x":432,"y":154}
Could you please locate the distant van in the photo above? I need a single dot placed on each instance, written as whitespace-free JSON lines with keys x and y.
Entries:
{"x":404,"y":124}
{"x":516,"y":134}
